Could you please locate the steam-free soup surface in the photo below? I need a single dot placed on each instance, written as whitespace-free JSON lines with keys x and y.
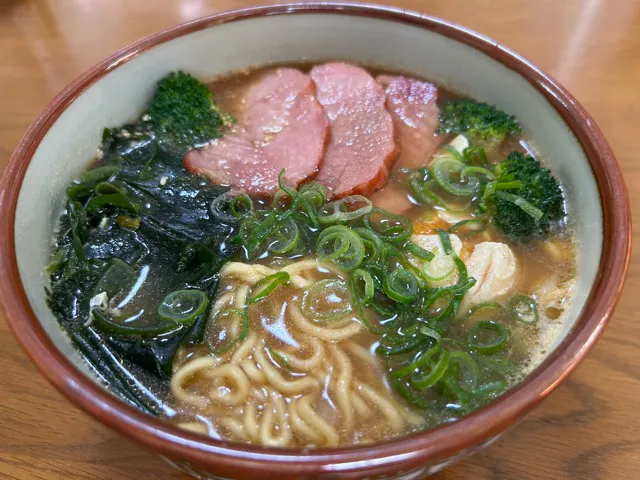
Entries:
{"x":254,"y":303}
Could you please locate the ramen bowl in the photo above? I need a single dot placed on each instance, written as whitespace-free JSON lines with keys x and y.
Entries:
{"x":60,"y":143}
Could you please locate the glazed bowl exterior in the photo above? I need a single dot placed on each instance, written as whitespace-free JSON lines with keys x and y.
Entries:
{"x":61,"y":142}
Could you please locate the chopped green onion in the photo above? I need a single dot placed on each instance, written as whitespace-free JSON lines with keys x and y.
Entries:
{"x":401,"y":286}
{"x":465,"y":368}
{"x":490,"y":390}
{"x":527,"y":207}
{"x":488,"y":336}
{"x":78,"y":191}
{"x":342,"y":246}
{"x":469,"y":227}
{"x":389,"y":227}
{"x":439,"y":268}
{"x":493,"y":187}
{"x":183,"y":306}
{"x":279,"y":358}
{"x":484,"y":306}
{"x":421,"y":191}
{"x":523,"y":309}
{"x":435,"y":372}
{"x":365,"y":295}
{"x":264,"y":229}
{"x":227,"y":327}
{"x":327,"y":300}
{"x":282,"y":183}
{"x":469,"y":171}
{"x":231,"y":206}
{"x":313,"y":192}
{"x":285,"y":237}
{"x":340,"y":211}
{"x":445,"y":239}
{"x":422,"y":358}
{"x":419,"y":252}
{"x":411,"y":396}
{"x":447,"y":173}
{"x":265,"y":286}
{"x":373,"y":245}
{"x":430,"y":332}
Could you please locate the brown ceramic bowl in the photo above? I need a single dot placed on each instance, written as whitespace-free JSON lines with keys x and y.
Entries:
{"x":58,"y":145}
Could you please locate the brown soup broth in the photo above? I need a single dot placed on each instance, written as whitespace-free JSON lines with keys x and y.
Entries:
{"x":347,"y":374}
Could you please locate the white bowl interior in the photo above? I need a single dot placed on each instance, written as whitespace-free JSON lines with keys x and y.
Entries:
{"x":121,"y":95}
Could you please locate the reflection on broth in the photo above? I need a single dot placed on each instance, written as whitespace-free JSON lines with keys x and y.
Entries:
{"x":325,"y":256}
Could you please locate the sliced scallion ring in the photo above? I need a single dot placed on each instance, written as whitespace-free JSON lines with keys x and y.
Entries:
{"x":285,"y":237}
{"x":282,"y":183}
{"x":342,"y":246}
{"x":447,"y":173}
{"x":488,"y":337}
{"x":422,"y":381}
{"x":401,"y":286}
{"x":344,"y":210}
{"x":468,"y":227}
{"x":419,"y":252}
{"x":389,"y":227}
{"x":418,"y":362}
{"x":327,"y":300}
{"x":373,"y":245}
{"x":231,"y":206}
{"x":466,"y":369}
{"x":439,"y":268}
{"x":527,"y":207}
{"x":364,"y":294}
{"x":227,"y":327}
{"x":183,"y":306}
{"x":475,"y":171}
{"x":265,"y":286}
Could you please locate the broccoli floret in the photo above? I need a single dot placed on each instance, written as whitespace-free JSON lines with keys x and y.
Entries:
{"x":525,"y":198}
{"x":481,"y":122}
{"x":183,"y":112}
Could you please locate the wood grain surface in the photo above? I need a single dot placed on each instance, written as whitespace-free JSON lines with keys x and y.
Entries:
{"x":588,"y":429}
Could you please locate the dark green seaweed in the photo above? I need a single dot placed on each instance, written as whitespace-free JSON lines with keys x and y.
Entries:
{"x":141,"y":207}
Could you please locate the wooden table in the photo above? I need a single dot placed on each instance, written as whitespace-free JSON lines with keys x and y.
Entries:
{"x":588,"y":429}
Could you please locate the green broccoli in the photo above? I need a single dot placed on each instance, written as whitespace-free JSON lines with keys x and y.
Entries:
{"x":183,"y":112}
{"x":481,"y":122}
{"x":525,"y":197}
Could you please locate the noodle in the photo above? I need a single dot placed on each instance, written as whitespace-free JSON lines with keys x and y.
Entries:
{"x":306,"y":391}
{"x":237,"y":377}
{"x":329,"y":334}
{"x":305,"y":364}
{"x":343,"y":385}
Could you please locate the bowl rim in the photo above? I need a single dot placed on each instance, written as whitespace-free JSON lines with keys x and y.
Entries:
{"x":229,"y":458}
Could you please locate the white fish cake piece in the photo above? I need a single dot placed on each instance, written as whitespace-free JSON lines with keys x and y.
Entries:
{"x":495,"y":268}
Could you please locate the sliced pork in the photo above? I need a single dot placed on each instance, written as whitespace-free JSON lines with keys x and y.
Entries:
{"x":282,"y":125}
{"x":362,"y":146}
{"x":412,"y":104}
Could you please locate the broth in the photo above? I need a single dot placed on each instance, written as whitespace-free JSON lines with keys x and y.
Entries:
{"x":275,"y":320}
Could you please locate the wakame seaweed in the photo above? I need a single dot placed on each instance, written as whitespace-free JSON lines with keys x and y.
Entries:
{"x":141,"y":211}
